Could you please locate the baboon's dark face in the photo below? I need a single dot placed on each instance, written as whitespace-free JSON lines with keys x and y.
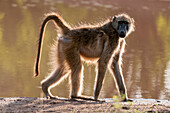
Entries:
{"x":123,"y":24}
{"x":122,"y":28}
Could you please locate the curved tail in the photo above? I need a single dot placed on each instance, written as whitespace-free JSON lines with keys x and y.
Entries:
{"x":60,"y":23}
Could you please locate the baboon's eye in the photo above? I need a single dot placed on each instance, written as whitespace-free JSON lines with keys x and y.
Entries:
{"x":120,"y":22}
{"x":123,"y":22}
{"x":126,"y":22}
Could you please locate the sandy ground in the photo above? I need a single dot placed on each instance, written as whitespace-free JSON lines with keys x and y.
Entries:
{"x":31,"y":104}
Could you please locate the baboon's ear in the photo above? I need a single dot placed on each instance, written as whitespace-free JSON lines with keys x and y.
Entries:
{"x":114,"y":18}
{"x":114,"y":23}
{"x":132,"y":20}
{"x":132,"y":24}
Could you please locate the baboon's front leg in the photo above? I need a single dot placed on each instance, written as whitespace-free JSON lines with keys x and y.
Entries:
{"x":119,"y":78}
{"x":99,"y":80}
{"x":102,"y":67}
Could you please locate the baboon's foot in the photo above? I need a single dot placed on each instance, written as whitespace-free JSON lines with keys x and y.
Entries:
{"x":82,"y":97}
{"x":127,"y":100}
{"x":86,"y":98}
{"x":100,"y":100}
{"x":97,"y":100}
{"x":52,"y":97}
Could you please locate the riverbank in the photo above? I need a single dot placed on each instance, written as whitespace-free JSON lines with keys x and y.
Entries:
{"x":31,"y":104}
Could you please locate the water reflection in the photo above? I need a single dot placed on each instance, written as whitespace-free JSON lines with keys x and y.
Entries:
{"x":146,"y":60}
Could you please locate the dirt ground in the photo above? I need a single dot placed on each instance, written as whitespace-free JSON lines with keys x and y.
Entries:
{"x":31,"y":104}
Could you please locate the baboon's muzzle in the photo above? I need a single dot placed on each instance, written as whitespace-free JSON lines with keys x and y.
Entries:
{"x":122,"y":31}
{"x":122,"y":34}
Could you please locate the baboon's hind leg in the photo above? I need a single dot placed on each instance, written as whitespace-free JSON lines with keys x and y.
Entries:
{"x":59,"y":73}
{"x":53,"y":80}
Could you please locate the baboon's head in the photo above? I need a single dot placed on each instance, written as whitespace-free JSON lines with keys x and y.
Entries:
{"x":123,"y":24}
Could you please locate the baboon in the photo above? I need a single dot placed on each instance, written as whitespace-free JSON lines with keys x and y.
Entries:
{"x":102,"y":44}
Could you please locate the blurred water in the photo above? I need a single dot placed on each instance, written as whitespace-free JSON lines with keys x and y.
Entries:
{"x":146,"y":62}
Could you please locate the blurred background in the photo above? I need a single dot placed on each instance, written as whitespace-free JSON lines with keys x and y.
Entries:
{"x":146,"y":61}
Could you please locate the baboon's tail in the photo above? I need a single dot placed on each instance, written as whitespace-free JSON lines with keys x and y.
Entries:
{"x":60,"y":23}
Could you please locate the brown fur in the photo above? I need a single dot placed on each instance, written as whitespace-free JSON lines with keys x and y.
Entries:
{"x":100,"y":44}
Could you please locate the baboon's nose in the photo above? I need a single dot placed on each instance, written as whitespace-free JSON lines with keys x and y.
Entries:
{"x":122,"y":34}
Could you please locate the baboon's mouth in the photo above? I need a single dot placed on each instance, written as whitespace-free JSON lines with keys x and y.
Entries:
{"x":122,"y":35}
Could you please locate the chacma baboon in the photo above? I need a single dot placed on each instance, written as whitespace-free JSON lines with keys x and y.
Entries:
{"x":102,"y":44}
